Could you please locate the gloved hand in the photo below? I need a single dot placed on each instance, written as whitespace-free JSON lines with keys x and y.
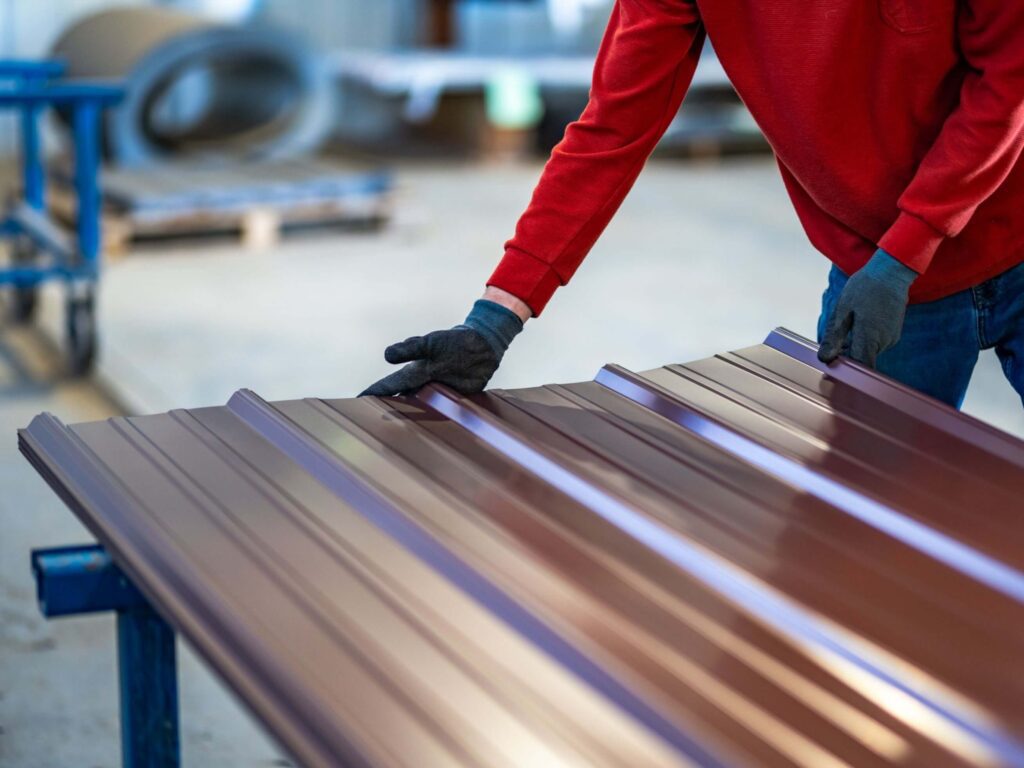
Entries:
{"x":870,"y":311}
{"x":464,"y":357}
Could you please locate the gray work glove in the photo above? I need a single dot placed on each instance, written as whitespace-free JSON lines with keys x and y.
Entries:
{"x":464,"y":357}
{"x":870,"y":311}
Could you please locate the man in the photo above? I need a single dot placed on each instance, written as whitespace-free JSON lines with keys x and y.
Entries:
{"x":898,"y":126}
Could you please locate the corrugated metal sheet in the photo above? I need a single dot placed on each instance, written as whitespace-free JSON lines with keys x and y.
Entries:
{"x":741,"y":561}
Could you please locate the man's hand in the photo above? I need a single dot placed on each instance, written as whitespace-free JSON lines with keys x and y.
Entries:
{"x":464,"y":357}
{"x":459,"y":357}
{"x":870,"y":311}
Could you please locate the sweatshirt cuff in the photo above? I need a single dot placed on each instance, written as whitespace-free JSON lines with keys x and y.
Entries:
{"x":529,"y":279}
{"x":912,"y":241}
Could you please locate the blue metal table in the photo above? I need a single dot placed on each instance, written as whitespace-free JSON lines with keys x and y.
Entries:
{"x":43,"y":250}
{"x":71,"y":581}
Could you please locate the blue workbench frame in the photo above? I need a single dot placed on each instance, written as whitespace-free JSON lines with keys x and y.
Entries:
{"x":31,"y":74}
{"x":71,"y":581}
{"x":30,"y":95}
{"x":44,"y":250}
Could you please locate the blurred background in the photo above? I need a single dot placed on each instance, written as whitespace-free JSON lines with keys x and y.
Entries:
{"x":288,"y":187}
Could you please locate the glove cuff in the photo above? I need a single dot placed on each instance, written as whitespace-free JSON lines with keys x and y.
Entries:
{"x":497,"y":324}
{"x":887,"y":269}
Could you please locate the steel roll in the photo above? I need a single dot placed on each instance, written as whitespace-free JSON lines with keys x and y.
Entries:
{"x":197,"y":87}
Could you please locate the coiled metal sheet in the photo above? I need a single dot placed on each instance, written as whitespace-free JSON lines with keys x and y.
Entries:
{"x":195,"y":87}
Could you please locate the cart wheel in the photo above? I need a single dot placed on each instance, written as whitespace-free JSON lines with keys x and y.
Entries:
{"x":81,"y":320}
{"x":23,"y":297}
{"x":23,"y":304}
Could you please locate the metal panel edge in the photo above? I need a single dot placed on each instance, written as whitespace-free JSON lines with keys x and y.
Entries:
{"x":900,"y":396}
{"x":52,"y":448}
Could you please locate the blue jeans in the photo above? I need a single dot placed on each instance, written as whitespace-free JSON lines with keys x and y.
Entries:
{"x":941,"y":339}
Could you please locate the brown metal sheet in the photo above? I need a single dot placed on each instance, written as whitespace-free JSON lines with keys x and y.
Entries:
{"x":747,"y":560}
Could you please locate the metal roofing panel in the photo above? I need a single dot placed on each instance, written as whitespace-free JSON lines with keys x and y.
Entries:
{"x":747,"y":560}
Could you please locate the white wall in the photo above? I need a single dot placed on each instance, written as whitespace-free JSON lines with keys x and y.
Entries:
{"x":349,"y":24}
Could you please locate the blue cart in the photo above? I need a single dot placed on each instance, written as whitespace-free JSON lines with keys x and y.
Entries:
{"x":42,"y":250}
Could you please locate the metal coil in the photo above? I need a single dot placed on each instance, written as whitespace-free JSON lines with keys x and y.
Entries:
{"x":200,"y":88}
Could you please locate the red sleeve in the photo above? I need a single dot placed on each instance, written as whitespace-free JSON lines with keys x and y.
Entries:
{"x":644,"y":66}
{"x":980,"y":142}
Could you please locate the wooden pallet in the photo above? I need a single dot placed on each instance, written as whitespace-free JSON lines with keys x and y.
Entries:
{"x":256,"y":202}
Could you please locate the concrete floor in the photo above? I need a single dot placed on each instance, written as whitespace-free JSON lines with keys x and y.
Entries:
{"x":702,"y":258}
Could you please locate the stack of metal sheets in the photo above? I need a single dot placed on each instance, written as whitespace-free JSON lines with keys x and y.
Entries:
{"x":748,"y":560}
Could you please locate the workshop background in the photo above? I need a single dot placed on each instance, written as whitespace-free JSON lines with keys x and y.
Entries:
{"x":289,"y":187}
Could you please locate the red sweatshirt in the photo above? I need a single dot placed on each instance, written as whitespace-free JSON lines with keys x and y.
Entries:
{"x":897,"y":124}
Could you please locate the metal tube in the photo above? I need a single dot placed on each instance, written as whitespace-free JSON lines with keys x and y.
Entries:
{"x":83,"y":579}
{"x":149,"y":690}
{"x":85,"y":121}
{"x":32,"y":172}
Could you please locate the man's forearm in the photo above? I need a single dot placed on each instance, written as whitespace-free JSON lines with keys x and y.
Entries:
{"x":980,"y":143}
{"x":643,"y":69}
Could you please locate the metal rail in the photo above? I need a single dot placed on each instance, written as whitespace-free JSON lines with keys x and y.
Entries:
{"x":71,"y":581}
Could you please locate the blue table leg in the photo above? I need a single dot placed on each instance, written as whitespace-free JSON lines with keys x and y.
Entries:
{"x":149,"y":690}
{"x":86,"y":125}
{"x":33,"y":175}
{"x":75,"y":580}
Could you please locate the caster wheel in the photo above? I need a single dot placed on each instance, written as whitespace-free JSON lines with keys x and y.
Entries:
{"x":81,"y":321}
{"x":23,"y":297}
{"x":23,"y":304}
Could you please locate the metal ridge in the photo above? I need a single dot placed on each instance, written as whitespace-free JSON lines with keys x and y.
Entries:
{"x":302,"y":449}
{"x":87,"y":487}
{"x":758,"y":599}
{"x":910,"y":401}
{"x":979,"y":566}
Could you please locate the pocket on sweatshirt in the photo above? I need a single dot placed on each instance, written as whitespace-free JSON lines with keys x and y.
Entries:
{"x":912,"y":16}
